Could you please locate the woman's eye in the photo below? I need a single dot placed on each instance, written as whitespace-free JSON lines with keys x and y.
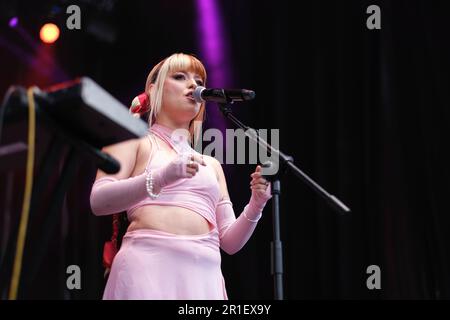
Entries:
{"x":179,"y":76}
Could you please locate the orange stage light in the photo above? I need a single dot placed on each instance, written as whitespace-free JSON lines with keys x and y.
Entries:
{"x":49,"y":33}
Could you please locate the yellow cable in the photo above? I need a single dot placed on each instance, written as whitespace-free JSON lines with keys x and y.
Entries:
{"x":26,"y":199}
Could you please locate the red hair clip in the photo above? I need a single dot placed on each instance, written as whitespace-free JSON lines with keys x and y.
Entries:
{"x":140,"y":104}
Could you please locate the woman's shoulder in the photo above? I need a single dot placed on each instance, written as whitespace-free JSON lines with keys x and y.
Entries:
{"x":125,"y":152}
{"x":211,"y":160}
{"x":124,"y":144}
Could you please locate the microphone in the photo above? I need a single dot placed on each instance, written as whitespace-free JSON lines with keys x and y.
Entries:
{"x":201,"y":94}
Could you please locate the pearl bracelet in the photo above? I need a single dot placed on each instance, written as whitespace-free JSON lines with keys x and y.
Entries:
{"x":149,"y":185}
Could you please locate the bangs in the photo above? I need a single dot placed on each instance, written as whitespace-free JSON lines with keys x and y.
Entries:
{"x":184,"y":62}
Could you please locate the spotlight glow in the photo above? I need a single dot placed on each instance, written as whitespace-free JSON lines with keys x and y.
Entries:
{"x":13,"y":22}
{"x":49,"y":33}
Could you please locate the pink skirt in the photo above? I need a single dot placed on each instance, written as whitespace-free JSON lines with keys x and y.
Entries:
{"x":158,"y":265}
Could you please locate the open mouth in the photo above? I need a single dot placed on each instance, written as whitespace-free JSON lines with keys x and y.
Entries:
{"x":190,"y":97}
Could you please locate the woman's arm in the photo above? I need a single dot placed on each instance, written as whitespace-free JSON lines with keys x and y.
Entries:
{"x":115,"y":193}
{"x":112,"y":193}
{"x":234,"y":233}
{"x":126,"y":153}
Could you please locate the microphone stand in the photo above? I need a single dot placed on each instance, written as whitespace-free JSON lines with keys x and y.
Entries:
{"x":284,"y":162}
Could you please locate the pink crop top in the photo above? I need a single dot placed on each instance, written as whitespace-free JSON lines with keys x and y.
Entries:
{"x":200,"y":193}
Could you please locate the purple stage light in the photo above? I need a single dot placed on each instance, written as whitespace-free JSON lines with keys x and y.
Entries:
{"x":213,"y":43}
{"x":213,"y":47}
{"x":13,"y":22}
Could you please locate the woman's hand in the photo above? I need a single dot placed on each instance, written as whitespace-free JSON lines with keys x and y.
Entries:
{"x":261,"y":189}
{"x":183,"y":166}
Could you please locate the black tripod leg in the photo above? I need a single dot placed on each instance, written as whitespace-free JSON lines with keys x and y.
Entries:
{"x":52,"y":219}
{"x":52,"y":154}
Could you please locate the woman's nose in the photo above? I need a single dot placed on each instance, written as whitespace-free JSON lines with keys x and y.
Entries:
{"x":192,"y":84}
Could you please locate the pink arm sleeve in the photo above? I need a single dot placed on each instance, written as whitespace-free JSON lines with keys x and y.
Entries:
{"x":110,"y":195}
{"x":234,"y":233}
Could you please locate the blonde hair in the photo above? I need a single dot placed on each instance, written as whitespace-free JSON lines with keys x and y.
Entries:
{"x":157,"y":76}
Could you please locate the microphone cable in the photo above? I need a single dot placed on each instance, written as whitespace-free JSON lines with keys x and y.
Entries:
{"x":23,"y":224}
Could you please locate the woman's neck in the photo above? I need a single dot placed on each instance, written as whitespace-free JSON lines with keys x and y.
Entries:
{"x":166,"y":122}
{"x":181,"y":135}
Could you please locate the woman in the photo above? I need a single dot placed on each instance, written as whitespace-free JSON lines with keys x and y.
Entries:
{"x":176,"y":199}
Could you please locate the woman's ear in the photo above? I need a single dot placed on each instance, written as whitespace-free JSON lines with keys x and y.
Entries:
{"x":151,"y":92}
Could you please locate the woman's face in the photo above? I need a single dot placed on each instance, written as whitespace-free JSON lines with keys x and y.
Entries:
{"x":177,"y":101}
